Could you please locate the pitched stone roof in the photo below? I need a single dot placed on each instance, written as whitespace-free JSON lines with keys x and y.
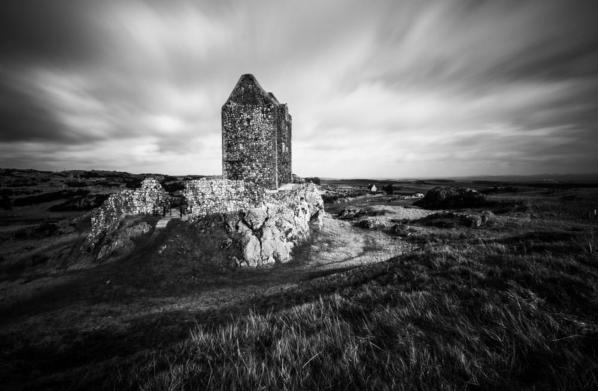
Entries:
{"x":249,"y":92}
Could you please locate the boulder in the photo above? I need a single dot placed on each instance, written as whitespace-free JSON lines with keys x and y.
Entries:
{"x":366,"y":223}
{"x":275,"y":246}
{"x":252,"y":250}
{"x":255,"y":217}
{"x":487,"y":217}
{"x":455,"y":219}
{"x":471,"y":220}
{"x":452,"y":197}
{"x":402,"y":230}
{"x":351,"y":213}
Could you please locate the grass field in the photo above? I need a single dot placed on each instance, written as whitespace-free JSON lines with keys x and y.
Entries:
{"x":512,"y":304}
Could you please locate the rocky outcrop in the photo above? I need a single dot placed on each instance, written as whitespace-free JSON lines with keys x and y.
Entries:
{"x":149,"y":199}
{"x":288,"y":217}
{"x":454,"y":220}
{"x":452,"y":197}
{"x":234,"y":222}
{"x":265,"y":227}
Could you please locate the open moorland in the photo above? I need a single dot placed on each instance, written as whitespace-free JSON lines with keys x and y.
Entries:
{"x":391,"y":293}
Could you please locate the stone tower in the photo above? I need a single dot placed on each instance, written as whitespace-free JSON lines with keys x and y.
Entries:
{"x":256,"y":136}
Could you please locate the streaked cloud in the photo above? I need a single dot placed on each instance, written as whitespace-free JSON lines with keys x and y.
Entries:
{"x":377,"y":89}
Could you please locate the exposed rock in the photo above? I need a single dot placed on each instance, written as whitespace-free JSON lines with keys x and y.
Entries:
{"x":266,"y":225}
{"x":477,"y":220}
{"x":452,"y":197}
{"x":351,"y":213}
{"x":235,"y":220}
{"x":149,"y":199}
{"x":366,"y":223}
{"x":487,"y":217}
{"x":252,"y":250}
{"x":402,"y":230}
{"x":471,"y":220}
{"x":453,"y":220}
{"x":274,"y":246}
{"x":255,"y":217}
{"x":290,"y":216}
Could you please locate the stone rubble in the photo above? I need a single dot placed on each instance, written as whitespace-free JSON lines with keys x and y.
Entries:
{"x":149,"y":199}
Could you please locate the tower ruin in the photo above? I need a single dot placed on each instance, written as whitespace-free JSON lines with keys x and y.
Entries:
{"x":256,"y":136}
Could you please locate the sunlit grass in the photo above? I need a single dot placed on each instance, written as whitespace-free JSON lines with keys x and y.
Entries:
{"x":448,"y":319}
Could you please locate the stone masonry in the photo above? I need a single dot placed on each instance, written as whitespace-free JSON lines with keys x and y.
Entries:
{"x":210,"y":196}
{"x":149,"y":199}
{"x":256,"y":136}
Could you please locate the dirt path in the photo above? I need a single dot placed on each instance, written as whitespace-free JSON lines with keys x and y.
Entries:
{"x":340,"y":245}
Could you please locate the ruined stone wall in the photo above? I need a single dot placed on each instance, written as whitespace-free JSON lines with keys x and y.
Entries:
{"x":211,"y":196}
{"x":249,"y":138}
{"x":284,"y":139}
{"x":150,"y":198}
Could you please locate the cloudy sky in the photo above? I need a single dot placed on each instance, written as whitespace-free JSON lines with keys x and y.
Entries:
{"x":376,"y":88}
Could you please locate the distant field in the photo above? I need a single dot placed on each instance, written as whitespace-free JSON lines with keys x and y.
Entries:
{"x":385,"y":296}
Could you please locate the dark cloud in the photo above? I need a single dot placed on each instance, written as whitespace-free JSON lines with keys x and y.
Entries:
{"x":57,"y":31}
{"x":23,"y":118}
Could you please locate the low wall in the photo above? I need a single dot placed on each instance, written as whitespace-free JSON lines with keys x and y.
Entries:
{"x":150,"y":198}
{"x":210,"y":196}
